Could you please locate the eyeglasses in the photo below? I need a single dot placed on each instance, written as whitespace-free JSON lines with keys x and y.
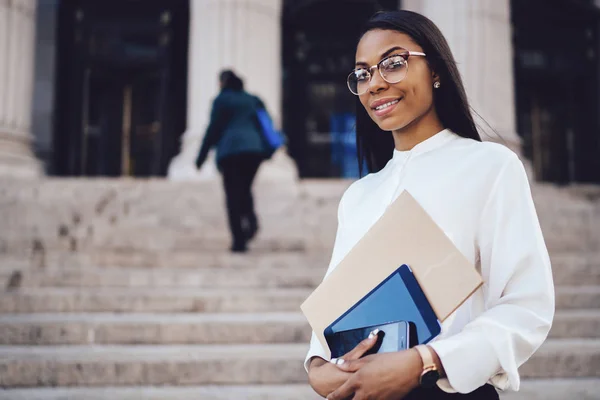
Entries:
{"x":392,"y":69}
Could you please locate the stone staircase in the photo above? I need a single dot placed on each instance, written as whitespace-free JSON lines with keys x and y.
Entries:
{"x":122,"y":289}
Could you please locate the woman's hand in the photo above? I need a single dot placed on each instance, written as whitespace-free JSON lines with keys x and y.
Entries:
{"x":325,"y":377}
{"x":383,"y":376}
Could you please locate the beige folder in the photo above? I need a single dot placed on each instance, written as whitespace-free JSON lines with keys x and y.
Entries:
{"x":405,"y":234}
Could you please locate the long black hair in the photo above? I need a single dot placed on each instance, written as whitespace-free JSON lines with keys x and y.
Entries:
{"x":375,"y":147}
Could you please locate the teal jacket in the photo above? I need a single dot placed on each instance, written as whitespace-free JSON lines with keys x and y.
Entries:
{"x":233,"y":127}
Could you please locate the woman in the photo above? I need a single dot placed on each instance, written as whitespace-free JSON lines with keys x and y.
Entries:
{"x":234,"y":130}
{"x":415,"y":133}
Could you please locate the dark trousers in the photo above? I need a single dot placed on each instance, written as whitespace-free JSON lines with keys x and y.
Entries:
{"x":486,"y":392}
{"x":238,"y":174}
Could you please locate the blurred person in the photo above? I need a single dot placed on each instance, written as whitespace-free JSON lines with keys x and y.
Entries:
{"x":234,"y":130}
{"x":415,"y":132}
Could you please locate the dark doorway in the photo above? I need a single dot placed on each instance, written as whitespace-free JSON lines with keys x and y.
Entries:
{"x":121,"y":99}
{"x":557,"y":77}
{"x":319,"y":42}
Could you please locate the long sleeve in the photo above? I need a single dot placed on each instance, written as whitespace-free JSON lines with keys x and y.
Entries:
{"x":218,"y":120}
{"x":518,"y":292}
{"x":316,"y":348}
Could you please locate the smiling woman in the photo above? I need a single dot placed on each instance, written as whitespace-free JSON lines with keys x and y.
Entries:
{"x":415,"y":132}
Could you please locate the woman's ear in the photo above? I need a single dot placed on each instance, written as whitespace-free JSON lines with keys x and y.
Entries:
{"x":434,"y":76}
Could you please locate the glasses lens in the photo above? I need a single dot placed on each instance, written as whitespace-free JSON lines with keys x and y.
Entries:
{"x":358,"y":81}
{"x":393,"y":69}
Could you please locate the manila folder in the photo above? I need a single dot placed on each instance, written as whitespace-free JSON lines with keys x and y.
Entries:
{"x":405,"y":234}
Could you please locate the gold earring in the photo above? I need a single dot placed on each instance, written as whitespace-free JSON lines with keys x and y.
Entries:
{"x":437,"y":85}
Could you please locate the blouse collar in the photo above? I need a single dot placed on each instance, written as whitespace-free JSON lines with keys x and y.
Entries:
{"x":432,"y":143}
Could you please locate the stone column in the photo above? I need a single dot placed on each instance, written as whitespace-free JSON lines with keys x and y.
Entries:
{"x":244,"y":35}
{"x":17,"y":38}
{"x":479,"y":34}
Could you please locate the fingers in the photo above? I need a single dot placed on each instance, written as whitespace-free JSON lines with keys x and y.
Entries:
{"x":362,"y":347}
{"x":348,"y":365}
{"x":343,"y":392}
{"x":337,"y":361}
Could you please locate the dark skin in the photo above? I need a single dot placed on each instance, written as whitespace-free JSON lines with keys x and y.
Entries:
{"x":325,"y":377}
{"x":377,"y":376}
{"x":413,"y":120}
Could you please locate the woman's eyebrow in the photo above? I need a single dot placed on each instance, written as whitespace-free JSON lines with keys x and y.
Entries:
{"x":384,"y":55}
{"x":390,"y":51}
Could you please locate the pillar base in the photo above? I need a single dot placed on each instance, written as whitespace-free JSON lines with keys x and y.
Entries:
{"x":183,"y":166}
{"x":16,"y":158}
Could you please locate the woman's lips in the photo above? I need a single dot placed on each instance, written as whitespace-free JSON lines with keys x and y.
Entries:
{"x":386,"y":108}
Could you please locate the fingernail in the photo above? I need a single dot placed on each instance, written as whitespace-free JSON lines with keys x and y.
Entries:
{"x":373,"y":333}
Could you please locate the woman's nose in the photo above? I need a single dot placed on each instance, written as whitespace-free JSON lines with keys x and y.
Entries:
{"x":377,"y":82}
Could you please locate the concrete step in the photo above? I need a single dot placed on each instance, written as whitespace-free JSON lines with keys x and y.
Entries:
{"x":541,"y":389}
{"x":576,"y":324}
{"x":161,"y":215}
{"x":151,"y":365}
{"x":278,"y":235}
{"x":240,"y":392}
{"x":85,"y":215}
{"x":143,"y":300}
{"x":291,"y":269}
{"x":556,"y":389}
{"x":576,"y":268}
{"x":148,"y":259}
{"x":224,"y":365}
{"x":564,"y":358}
{"x":80,"y":329}
{"x":164,"y":329}
{"x":577,"y":297}
{"x":305,"y":274}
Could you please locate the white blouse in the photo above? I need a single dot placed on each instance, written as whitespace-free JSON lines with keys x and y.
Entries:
{"x":478,"y":193}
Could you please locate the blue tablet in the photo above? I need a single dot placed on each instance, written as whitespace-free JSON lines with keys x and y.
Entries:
{"x":398,"y":298}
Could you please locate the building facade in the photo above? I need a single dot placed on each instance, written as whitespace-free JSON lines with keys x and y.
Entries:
{"x":117,"y":88}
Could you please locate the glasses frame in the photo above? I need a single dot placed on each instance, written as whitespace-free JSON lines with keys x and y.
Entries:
{"x":404,"y":54}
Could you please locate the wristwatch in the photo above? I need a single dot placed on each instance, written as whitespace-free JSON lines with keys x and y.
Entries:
{"x":430,"y":374}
